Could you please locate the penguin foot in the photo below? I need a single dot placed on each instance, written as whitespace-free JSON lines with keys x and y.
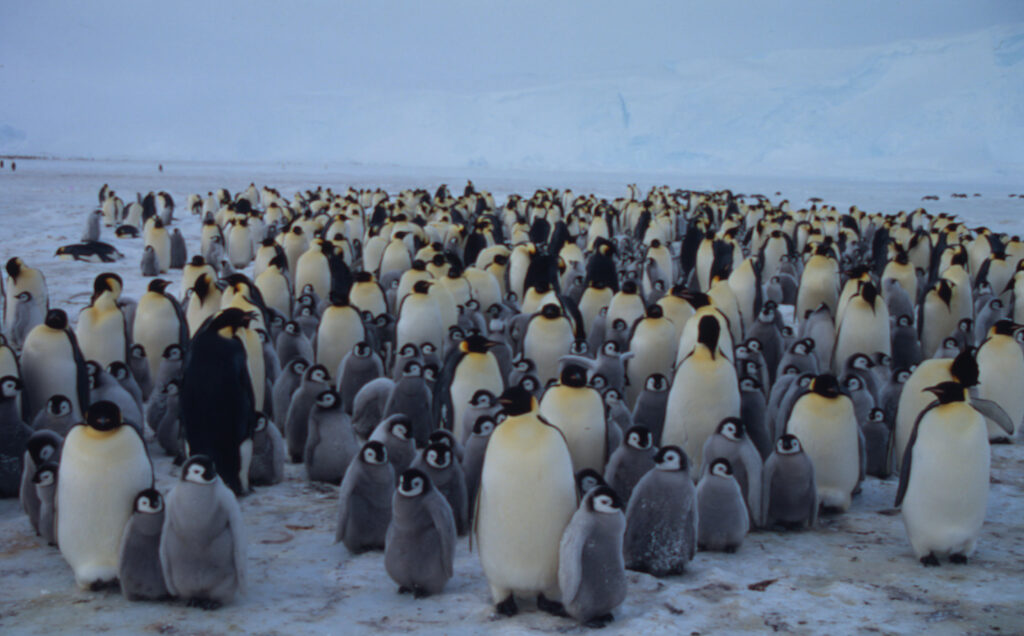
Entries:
{"x":404,"y":590}
{"x":507,"y":607}
{"x":99,"y":586}
{"x":204,"y":603}
{"x":599,"y":622}
{"x":958,"y":559}
{"x":730,"y":549}
{"x":930,"y":561}
{"x":419,"y":592}
{"x":554,"y":608}
{"x":1001,"y":440}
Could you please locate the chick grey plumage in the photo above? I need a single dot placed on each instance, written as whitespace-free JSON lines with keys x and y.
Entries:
{"x":92,"y":226}
{"x":139,"y":570}
{"x":296,"y":426}
{"x":284,"y":388}
{"x":360,"y":366}
{"x":14,"y":436}
{"x":617,"y":411}
{"x":395,"y":432}
{"x":473,"y":456}
{"x":292,"y":343}
{"x":482,"y":403}
{"x":364,"y":500}
{"x":877,"y":436}
{"x":168,"y":429}
{"x":120,"y":372}
{"x":27,"y":314}
{"x":790,"y":496}
{"x":268,"y":452}
{"x":905,"y":345}
{"x":730,"y":441}
{"x":150,"y":265}
{"x":649,"y":410}
{"x":420,"y":544}
{"x":722,"y":519}
{"x":139,"y":365}
{"x":42,"y":447}
{"x":368,"y":407}
{"x":630,"y":462}
{"x":179,"y":251}
{"x":330,"y":442}
{"x":438,"y":462}
{"x":412,"y":398}
{"x":591,"y":571}
{"x":45,"y":482}
{"x":753,"y":415}
{"x":203,"y":544}
{"x":661,"y":518}
{"x":103,"y":387}
{"x":801,"y":355}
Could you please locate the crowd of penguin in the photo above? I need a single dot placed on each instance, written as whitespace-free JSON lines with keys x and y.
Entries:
{"x":582,"y":385}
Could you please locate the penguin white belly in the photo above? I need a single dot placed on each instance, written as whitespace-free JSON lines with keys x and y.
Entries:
{"x":862,"y":331}
{"x":419,"y":322}
{"x":240,"y":247}
{"x":99,"y":479}
{"x":654,"y":348}
{"x":48,"y":368}
{"x":198,"y":311}
{"x":817,"y":285}
{"x":368,"y":298}
{"x":1000,"y":369}
{"x":256,"y":365}
{"x":340,"y":330}
{"x":273,"y":287}
{"x":944,"y":505}
{"x":474,"y":372}
{"x":485,"y":287}
{"x":545,"y":345}
{"x":628,"y":307}
{"x":579,"y":414}
{"x":312,"y":269}
{"x":527,"y":496}
{"x":704,"y":392}
{"x":156,"y":330}
{"x":913,"y":400}
{"x":103,"y":339}
{"x":161,"y":242}
{"x":591,"y":304}
{"x":829,"y":437}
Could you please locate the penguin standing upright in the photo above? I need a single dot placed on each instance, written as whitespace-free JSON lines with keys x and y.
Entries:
{"x":103,"y":466}
{"x":722,"y":520}
{"x":864,"y":327}
{"x":364,"y":500}
{"x":468,"y":370}
{"x":527,"y":497}
{"x":139,"y":570}
{"x":630,"y":462}
{"x":1000,"y":360}
{"x":159,"y":323}
{"x":419,"y":549}
{"x":549,"y":336}
{"x":52,"y":364}
{"x":14,"y":436}
{"x":42,"y":447}
{"x":790,"y":497}
{"x":102,"y":329}
{"x":22,"y":278}
{"x":577,"y":410}
{"x":341,"y":329}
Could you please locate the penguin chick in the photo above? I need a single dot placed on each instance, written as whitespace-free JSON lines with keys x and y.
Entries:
{"x":168,"y":430}
{"x":296,"y":426}
{"x":591,"y":572}
{"x":139,"y":569}
{"x":203,"y":545}
{"x":150,"y":265}
{"x":364,"y":500}
{"x":268,"y":453}
{"x":42,"y":447}
{"x":630,"y":462}
{"x":473,"y":455}
{"x":419,"y":548}
{"x":45,"y":481}
{"x":394,"y":432}
{"x":368,"y":406}
{"x":330,"y":443}
{"x":14,"y":436}
{"x":790,"y":497}
{"x":437,"y":461}
{"x":730,"y":441}
{"x":722,"y":520}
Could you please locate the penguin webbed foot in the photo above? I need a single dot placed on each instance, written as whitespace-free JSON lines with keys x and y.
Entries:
{"x":958,"y":559}
{"x":404,"y":590}
{"x":507,"y":607}
{"x":419,"y":592}
{"x":599,"y":622}
{"x":554,"y":608}
{"x":930,"y":560}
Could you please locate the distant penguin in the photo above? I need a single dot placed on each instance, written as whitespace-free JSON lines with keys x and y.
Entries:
{"x":591,"y":572}
{"x":790,"y":497}
{"x":103,"y":466}
{"x":296,"y":427}
{"x":14,"y":436}
{"x":203,"y":547}
{"x":22,"y":278}
{"x":155,"y":235}
{"x":92,"y":226}
{"x":330,"y":442}
{"x":52,"y":363}
{"x":722,"y":521}
{"x":139,"y":570}
{"x":661,"y":518}
{"x":439,"y":463}
{"x":268,"y":453}
{"x":179,"y":252}
{"x":364,"y":500}
{"x":103,"y":328}
{"x":419,"y":550}
{"x":27,"y":315}
{"x":150,"y":265}
{"x":630,"y":462}
{"x":395,"y":432}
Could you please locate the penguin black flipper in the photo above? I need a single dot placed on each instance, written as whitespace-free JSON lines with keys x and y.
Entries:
{"x":908,"y":455}
{"x":691,"y":244}
{"x":82,"y":374}
{"x":341,"y":276}
{"x":540,"y":230}
{"x":982,"y":275}
{"x":441,"y":404}
{"x":994,"y":412}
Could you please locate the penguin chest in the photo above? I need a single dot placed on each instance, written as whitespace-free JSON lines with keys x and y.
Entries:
{"x":101,"y":335}
{"x":419,"y":322}
{"x":368,"y":297}
{"x":579,"y":414}
{"x":340,"y":330}
{"x":863,"y":330}
{"x":1000,"y":369}
{"x":654,"y":347}
{"x":914,"y":399}
{"x":827,"y":429}
{"x":474,"y":372}
{"x":156,"y":327}
{"x":240,"y":248}
{"x":591,"y":304}
{"x":312,"y":269}
{"x":48,"y":367}
{"x":704,"y":392}
{"x":546,"y":341}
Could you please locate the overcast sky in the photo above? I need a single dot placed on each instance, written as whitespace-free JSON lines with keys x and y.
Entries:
{"x":75,"y":76}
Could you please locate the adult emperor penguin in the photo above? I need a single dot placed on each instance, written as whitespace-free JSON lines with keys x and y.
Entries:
{"x":159,"y":323}
{"x":419,"y":318}
{"x":157,"y":236}
{"x":103,"y":466}
{"x":578,"y":411}
{"x":22,"y":278}
{"x":944,"y":480}
{"x":469,"y":369}
{"x":52,"y":364}
{"x":863,"y":328}
{"x":549,"y":336}
{"x":203,"y":548}
{"x":527,"y":496}
{"x":704,"y":392}
{"x":824,"y":421}
{"x":1000,"y":365}
{"x":102,"y":329}
{"x":218,"y":406}
{"x":341,"y":328}
{"x":653,"y":344}
{"x":936,"y":318}
{"x":820,"y":281}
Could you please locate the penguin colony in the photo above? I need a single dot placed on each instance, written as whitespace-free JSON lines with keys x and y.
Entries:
{"x":580,"y":386}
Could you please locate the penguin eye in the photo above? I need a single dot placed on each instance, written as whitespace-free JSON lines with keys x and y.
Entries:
{"x":65,"y":408}
{"x":610,"y":348}
{"x":853,"y":384}
{"x":432,"y":457}
{"x":46,"y":452}
{"x":300,"y":367}
{"x":319,"y":375}
{"x":486,"y":428}
{"x":400,"y":431}
{"x":429,"y":348}
{"x":428,"y":373}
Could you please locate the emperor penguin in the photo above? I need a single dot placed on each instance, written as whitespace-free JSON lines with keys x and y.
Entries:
{"x":411,"y":396}
{"x":591,"y":572}
{"x":790,"y":496}
{"x":439,"y":462}
{"x":14,"y":436}
{"x":358,"y":368}
{"x":1000,"y":364}
{"x":103,"y":330}
{"x":103,"y":466}
{"x":577,"y":410}
{"x":364,"y":500}
{"x":819,"y":282}
{"x":731,"y":442}
{"x":42,"y":447}
{"x":22,"y":278}
{"x":824,"y":421}
{"x":467,"y":371}
{"x":159,"y":323}
{"x":268,"y":453}
{"x":203,"y":544}
{"x":179,"y":251}
{"x":475,"y":446}
{"x":57,"y":416}
{"x":419,"y":549}
{"x":240,"y":243}
{"x":722,"y":518}
{"x":139,"y":570}
{"x":653,"y":344}
{"x":27,"y":315}
{"x":330,"y":441}
{"x":293,"y":344}
{"x":296,"y":424}
{"x":275,"y":286}
{"x":661,"y":518}
{"x":419,"y":318}
{"x":395,"y":432}
{"x":630,"y":461}
{"x":944,"y":478}
{"x":527,"y":497}
{"x":156,"y":236}
{"x":341,"y":328}
{"x":549,"y":335}
{"x":864,"y":327}
{"x":936,"y":317}
{"x":704,"y":392}
{"x":45,"y":483}
{"x":52,"y":364}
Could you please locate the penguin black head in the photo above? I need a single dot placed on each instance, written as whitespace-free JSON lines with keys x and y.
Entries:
{"x":399,"y":426}
{"x":173,"y":352}
{"x":551,"y":311}
{"x":412,"y":369}
{"x":44,"y":445}
{"x":629,"y":287}
{"x":903,"y":320}
{"x":708,"y":331}
{"x":749,"y":384}
{"x":298,"y":366}
{"x":56,"y":319}
{"x":118,"y":370}
{"x":475,"y":344}
{"x":484,"y":425}
{"x":103,"y":416}
{"x":573,"y":375}
{"x":408,"y":350}
{"x":853,"y":384}
{"x":158,"y":285}
{"x":944,"y":289}
{"x":1005,"y":327}
{"x":413,"y":483}
{"x":517,"y":400}
{"x":438,"y":455}
{"x":639,"y":438}
{"x":947,"y":392}
{"x":199,"y":469}
{"x":612,"y":396}
{"x":603,"y":499}
{"x":149,"y":502}
{"x":671,"y":458}
{"x":197,"y":261}
{"x":231,"y":318}
{"x":107,"y":281}
{"x":656,"y":382}
{"x":655,"y":311}
{"x":588,"y":479}
{"x":965,"y":368}
{"x":598,"y":381}
{"x":869,"y":293}
{"x":788,"y":445}
{"x":13,"y":267}
{"x":442,"y":436}
{"x":876,"y":415}
{"x":92,"y":370}
{"x":721,"y":467}
{"x":374,"y":453}
{"x":317,"y":373}
{"x":10,"y":387}
{"x":825,"y":385}
{"x":58,"y":405}
{"x":579,"y":348}
{"x":421,"y":287}
{"x":328,"y":400}
{"x":731,"y":428}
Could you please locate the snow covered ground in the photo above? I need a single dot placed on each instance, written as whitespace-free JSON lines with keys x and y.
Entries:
{"x":853,"y":573}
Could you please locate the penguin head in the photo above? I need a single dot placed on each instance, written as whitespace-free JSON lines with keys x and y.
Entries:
{"x":965,"y":368}
{"x":900,"y":376}
{"x":46,"y":474}
{"x":603,"y":499}
{"x":328,"y":400}
{"x":588,"y":479}
{"x":825,"y":385}
{"x":517,"y":400}
{"x":58,"y":405}
{"x":44,"y":446}
{"x":443,"y":437}
{"x":408,"y":350}
{"x":484,"y":425}
{"x":428,"y":348}
{"x":876,"y":415}
{"x":903,"y":320}
{"x":579,"y":348}
{"x":574,"y":375}
{"x":639,"y":438}
{"x":1003,"y":328}
{"x":261,"y":423}
{"x":103,"y":416}
{"x":413,"y":483}
{"x":107,"y":281}
{"x":10,"y":387}
{"x":530,"y":383}
{"x":610,"y":348}
{"x":523,"y":365}
{"x":412,"y":369}
{"x":482,"y":399}
{"x":612,"y":396}
{"x":732,"y":429}
{"x":199,"y":469}
{"x":721,"y":467}
{"x":475,"y":344}
{"x":13,"y":267}
{"x":748,"y":384}
{"x":158,"y":285}
{"x":149,"y":502}
{"x":92,"y":370}
{"x":56,"y":319}
{"x":374,"y":453}
{"x":173,"y":353}
{"x":421,"y":287}
{"x":944,"y":289}
{"x":437,"y":455}
{"x":671,"y":458}
{"x":118,"y":370}
{"x":317,"y":373}
{"x":853,"y":383}
{"x":656,"y":383}
{"x":708,"y":331}
{"x":788,"y":445}
{"x":400,"y":426}
{"x":754,"y":345}
{"x":598,"y":381}
{"x":137,"y":352}
{"x":298,"y":366}
{"x":551,"y":311}
{"x":947,"y":392}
